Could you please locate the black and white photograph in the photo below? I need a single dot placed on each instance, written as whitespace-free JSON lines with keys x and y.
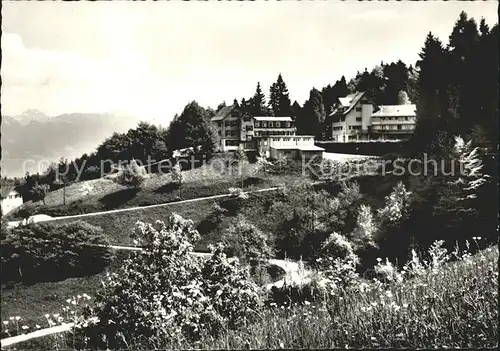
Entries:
{"x":249,"y":175}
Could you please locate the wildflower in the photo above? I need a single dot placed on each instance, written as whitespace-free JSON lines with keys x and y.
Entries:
{"x":373,"y":338}
{"x":25,"y":327}
{"x":37,"y":326}
{"x":68,"y":300}
{"x":47,"y":315}
{"x":307,"y":303}
{"x":388,"y":293}
{"x":6,"y":322}
{"x":405,"y":305}
{"x":11,"y":318}
{"x":18,"y":318}
{"x":56,"y":315}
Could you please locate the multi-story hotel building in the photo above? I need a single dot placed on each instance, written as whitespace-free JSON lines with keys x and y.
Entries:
{"x":272,"y":136}
{"x":356,"y":118}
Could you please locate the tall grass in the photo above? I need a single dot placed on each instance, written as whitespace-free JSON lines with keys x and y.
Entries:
{"x":453,"y":306}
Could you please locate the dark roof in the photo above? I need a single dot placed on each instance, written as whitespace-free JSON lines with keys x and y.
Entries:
{"x":223,"y":113}
{"x":5,"y":190}
{"x":353,"y":100}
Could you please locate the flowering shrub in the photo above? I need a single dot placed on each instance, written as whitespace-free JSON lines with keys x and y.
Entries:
{"x":132,"y":175}
{"x":176,"y":174}
{"x":396,"y":206}
{"x":164,"y":295}
{"x":363,"y":236}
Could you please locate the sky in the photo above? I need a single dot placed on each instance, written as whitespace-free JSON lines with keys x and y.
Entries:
{"x":152,"y":58}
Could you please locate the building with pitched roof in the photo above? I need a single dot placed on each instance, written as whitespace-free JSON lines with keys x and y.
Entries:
{"x":10,"y":199}
{"x":269,"y":135}
{"x":356,"y":118}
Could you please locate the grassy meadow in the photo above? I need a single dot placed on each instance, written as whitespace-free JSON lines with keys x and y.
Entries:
{"x":454,"y":305}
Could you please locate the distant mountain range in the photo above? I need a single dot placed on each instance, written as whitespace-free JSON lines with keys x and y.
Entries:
{"x":32,"y":136}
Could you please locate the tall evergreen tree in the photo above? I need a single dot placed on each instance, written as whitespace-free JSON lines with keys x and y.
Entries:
{"x":258,"y":103}
{"x":484,"y":28}
{"x":279,"y":99}
{"x":432,"y":132}
{"x":312,"y":118}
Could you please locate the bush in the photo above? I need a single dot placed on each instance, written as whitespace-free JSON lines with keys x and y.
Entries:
{"x":132,"y":175}
{"x":51,"y":252}
{"x":165,"y":296}
{"x":246,"y":242}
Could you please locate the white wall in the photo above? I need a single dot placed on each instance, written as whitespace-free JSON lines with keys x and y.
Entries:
{"x":10,"y":204}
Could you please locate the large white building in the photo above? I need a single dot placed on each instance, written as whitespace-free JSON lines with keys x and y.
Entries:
{"x":272,"y":136}
{"x":356,"y":118}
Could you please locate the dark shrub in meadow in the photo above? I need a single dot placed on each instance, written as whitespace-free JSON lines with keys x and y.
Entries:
{"x":52,"y":252}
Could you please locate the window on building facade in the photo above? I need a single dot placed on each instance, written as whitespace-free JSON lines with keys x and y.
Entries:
{"x":249,"y":128}
{"x":358,"y":109}
{"x":264,"y":124}
{"x":257,"y":124}
{"x":358,"y":119}
{"x":278,"y":124}
{"x":246,"y":118}
{"x":287,"y":124}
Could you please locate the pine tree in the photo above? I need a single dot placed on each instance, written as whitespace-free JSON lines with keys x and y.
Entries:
{"x":258,"y":103}
{"x":484,"y":28}
{"x":312,"y":118}
{"x":279,"y":99}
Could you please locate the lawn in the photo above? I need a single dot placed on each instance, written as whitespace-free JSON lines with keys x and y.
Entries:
{"x":207,"y":180}
{"x":32,"y":302}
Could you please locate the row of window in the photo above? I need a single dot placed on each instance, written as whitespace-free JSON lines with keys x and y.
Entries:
{"x":266,"y":133}
{"x":405,"y":118}
{"x":248,"y":144}
{"x":230,"y":133}
{"x":289,"y":139}
{"x":394,"y":127}
{"x":231,"y":123}
{"x":272,"y":124}
{"x":355,"y":127}
{"x":13,"y":196}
